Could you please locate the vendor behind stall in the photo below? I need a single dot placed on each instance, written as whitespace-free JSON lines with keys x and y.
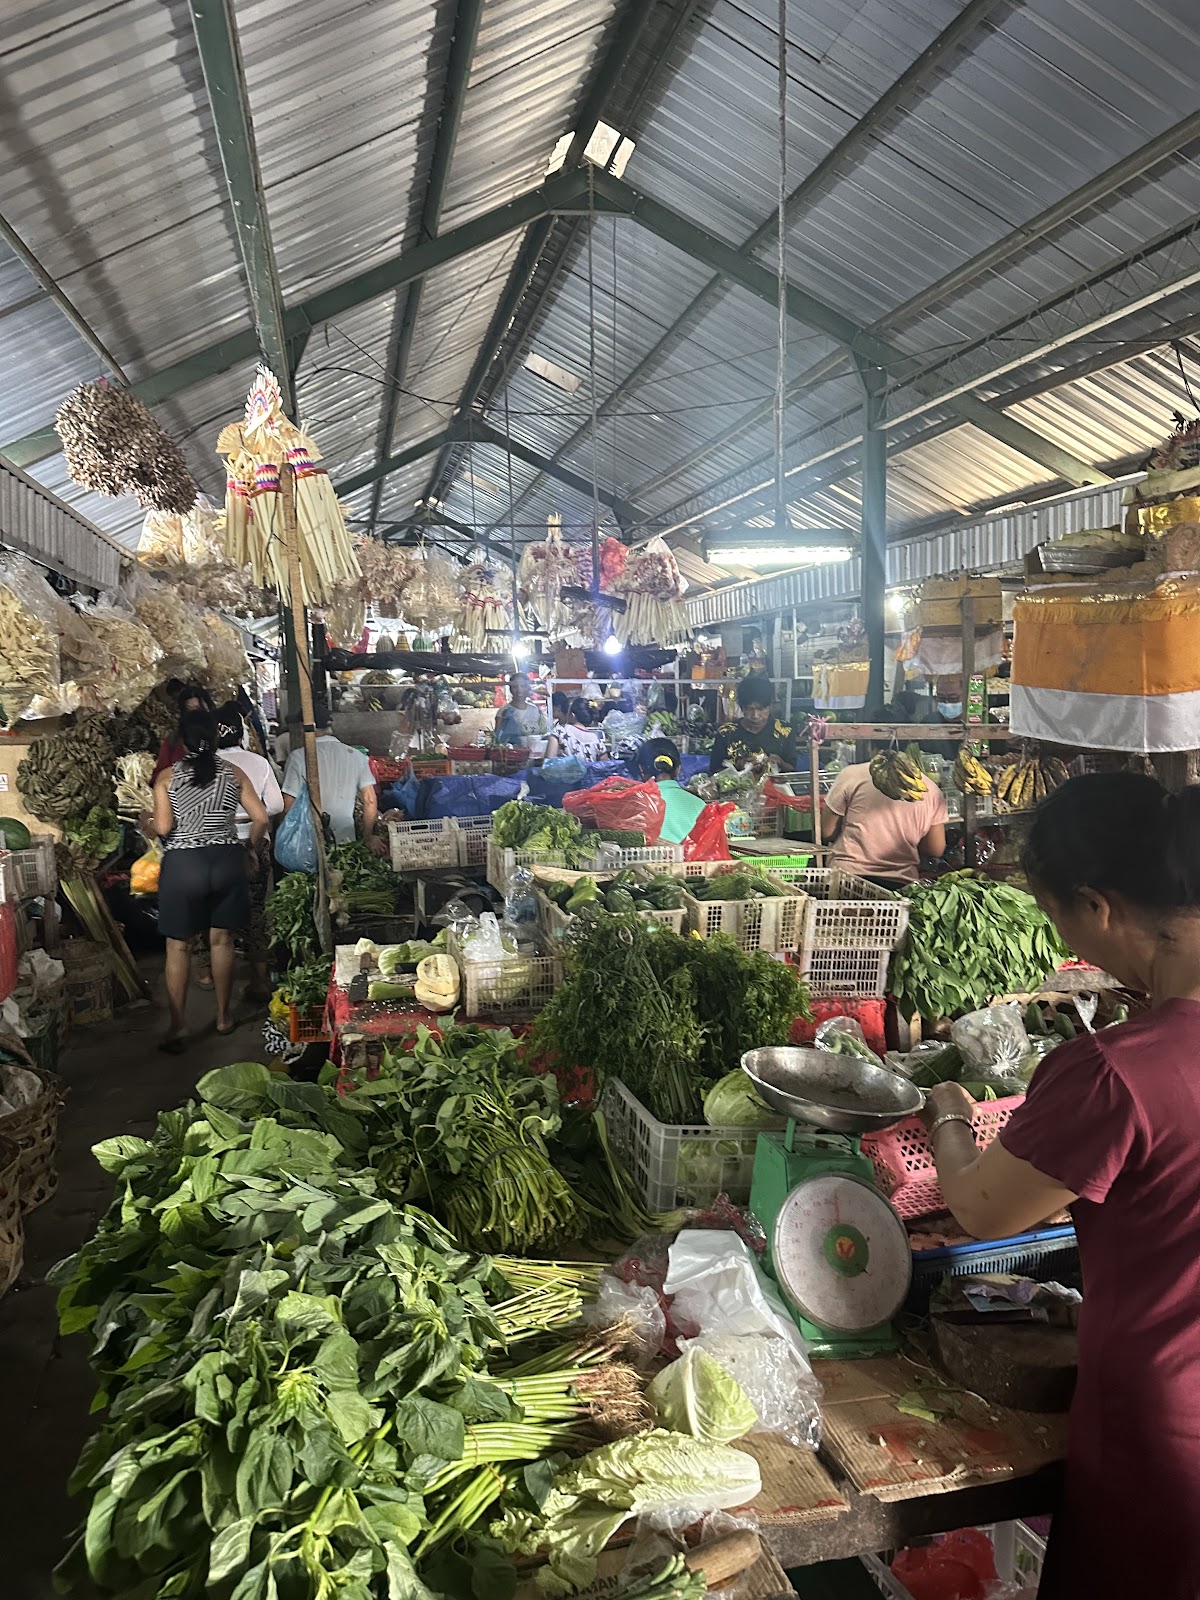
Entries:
{"x":756,"y":732}
{"x":877,"y":837}
{"x":657,"y":761}
{"x":1111,"y":1127}
{"x":519,"y":722}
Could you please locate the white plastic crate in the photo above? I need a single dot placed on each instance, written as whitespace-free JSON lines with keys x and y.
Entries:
{"x":1019,"y":1556}
{"x":672,"y":1164}
{"x":423,"y":846}
{"x":474,"y":834}
{"x":858,"y":973}
{"x":32,"y":872}
{"x":853,"y":915}
{"x":501,"y":862}
{"x":490,"y":989}
{"x":772,"y":924}
{"x":555,"y":922}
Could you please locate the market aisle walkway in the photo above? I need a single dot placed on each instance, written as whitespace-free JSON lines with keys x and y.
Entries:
{"x":117,"y":1082}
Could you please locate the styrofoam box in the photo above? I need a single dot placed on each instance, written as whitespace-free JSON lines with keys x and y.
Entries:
{"x":674,"y":1164}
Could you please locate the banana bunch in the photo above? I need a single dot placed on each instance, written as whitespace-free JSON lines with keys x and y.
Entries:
{"x":969,"y":775}
{"x":1024,"y":783}
{"x":895,"y":774}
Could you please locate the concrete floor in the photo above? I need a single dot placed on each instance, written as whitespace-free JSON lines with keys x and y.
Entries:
{"x":117,"y":1082}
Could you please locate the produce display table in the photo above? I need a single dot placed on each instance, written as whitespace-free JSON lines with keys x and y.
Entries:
{"x":884,"y":1477}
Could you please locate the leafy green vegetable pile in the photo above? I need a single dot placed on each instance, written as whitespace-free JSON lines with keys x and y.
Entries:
{"x":669,"y":1015}
{"x":290,"y":914}
{"x":743,"y":883}
{"x":521,"y":825}
{"x":970,"y":938}
{"x":307,"y":984}
{"x":630,"y":890}
{"x":310,"y":1391}
{"x":92,"y":838}
{"x":359,"y":881}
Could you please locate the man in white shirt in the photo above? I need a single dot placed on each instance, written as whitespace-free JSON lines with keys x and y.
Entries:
{"x":344,"y":774}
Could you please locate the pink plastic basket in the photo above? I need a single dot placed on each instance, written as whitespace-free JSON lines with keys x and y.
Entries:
{"x":903,"y":1158}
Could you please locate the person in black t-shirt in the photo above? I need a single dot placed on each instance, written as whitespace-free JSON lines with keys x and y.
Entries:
{"x":757,"y":731}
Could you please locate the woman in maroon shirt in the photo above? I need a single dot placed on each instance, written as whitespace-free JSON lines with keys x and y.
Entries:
{"x":1111,"y":1127}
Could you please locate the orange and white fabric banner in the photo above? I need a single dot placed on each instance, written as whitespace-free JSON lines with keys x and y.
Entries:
{"x":1107,"y":671}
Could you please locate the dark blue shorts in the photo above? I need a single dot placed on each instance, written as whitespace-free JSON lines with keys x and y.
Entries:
{"x":203,"y":888}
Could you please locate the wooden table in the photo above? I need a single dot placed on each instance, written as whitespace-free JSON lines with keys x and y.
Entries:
{"x":884,"y":1476}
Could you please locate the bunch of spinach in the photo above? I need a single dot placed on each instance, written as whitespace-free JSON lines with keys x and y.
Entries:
{"x":293,"y":1367}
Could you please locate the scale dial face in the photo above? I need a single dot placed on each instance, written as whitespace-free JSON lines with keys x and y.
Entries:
{"x":841,"y":1254}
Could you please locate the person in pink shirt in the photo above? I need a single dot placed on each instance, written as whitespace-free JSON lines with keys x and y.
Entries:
{"x":878,"y":838}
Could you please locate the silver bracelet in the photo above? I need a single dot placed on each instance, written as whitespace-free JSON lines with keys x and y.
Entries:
{"x":950,"y":1116}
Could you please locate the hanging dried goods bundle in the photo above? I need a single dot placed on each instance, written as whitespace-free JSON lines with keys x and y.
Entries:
{"x":653,"y":588}
{"x":171,"y":540}
{"x":165,"y":613}
{"x":131,"y":657}
{"x":220,"y":586}
{"x":68,"y":773}
{"x":253,"y":534}
{"x":482,"y":611}
{"x":386,"y":575}
{"x":112,"y":444}
{"x":431,"y":601}
{"x":225,"y":664}
{"x":545,"y":569}
{"x":29,"y":637}
{"x":134,"y":794}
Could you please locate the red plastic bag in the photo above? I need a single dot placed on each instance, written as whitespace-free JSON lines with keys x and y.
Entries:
{"x":774,"y":795}
{"x":620,"y":803}
{"x":707,"y":840}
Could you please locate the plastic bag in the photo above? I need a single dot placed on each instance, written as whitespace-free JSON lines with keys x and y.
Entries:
{"x":740,"y":1320}
{"x":296,"y":841}
{"x":637,"y":1309}
{"x":564,"y":769}
{"x":708,"y":841}
{"x":660,"y":1534}
{"x":520,"y":907}
{"x":843,"y":1036}
{"x":144,"y":874}
{"x":993,"y":1040}
{"x":620,"y":803}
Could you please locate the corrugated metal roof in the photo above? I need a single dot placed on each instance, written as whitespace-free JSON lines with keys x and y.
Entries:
{"x":111,"y":176}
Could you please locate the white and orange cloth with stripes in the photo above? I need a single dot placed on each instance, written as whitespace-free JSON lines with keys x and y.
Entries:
{"x":1109,"y":671}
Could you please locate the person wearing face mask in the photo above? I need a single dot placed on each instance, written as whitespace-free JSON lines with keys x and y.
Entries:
{"x":757,"y":732}
{"x":1111,"y":1128}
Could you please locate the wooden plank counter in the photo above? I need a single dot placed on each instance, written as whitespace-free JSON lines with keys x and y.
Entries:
{"x":884,"y":1476}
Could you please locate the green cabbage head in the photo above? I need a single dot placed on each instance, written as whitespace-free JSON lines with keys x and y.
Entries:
{"x":695,"y":1395}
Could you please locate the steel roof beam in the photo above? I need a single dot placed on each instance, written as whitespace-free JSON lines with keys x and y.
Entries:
{"x":617,"y":195}
{"x":630,"y":25}
{"x":229,"y":99}
{"x":471,"y":429}
{"x":61,"y":299}
{"x":1141,"y":278}
{"x":408,"y":304}
{"x":990,"y":259}
{"x":564,"y":193}
{"x":843,"y":154}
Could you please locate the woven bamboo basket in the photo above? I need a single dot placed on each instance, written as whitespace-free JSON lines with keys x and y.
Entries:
{"x":34,"y":1130}
{"x":12,"y":1225}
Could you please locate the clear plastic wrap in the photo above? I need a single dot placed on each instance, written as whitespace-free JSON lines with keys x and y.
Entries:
{"x":225,"y":664}
{"x":130,"y":664}
{"x":736,"y":1316}
{"x":731,"y":1539}
{"x":30,"y":632}
{"x":162,"y":609}
{"x":993,"y":1040}
{"x":844,"y":1036}
{"x":637,"y":1309}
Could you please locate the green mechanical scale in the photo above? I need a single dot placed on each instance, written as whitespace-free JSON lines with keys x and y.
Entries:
{"x":836,"y":1248}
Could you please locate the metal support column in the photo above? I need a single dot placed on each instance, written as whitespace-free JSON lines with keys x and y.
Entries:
{"x":874,"y":528}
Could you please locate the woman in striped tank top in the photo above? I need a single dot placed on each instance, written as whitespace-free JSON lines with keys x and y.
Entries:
{"x":203,"y":884}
